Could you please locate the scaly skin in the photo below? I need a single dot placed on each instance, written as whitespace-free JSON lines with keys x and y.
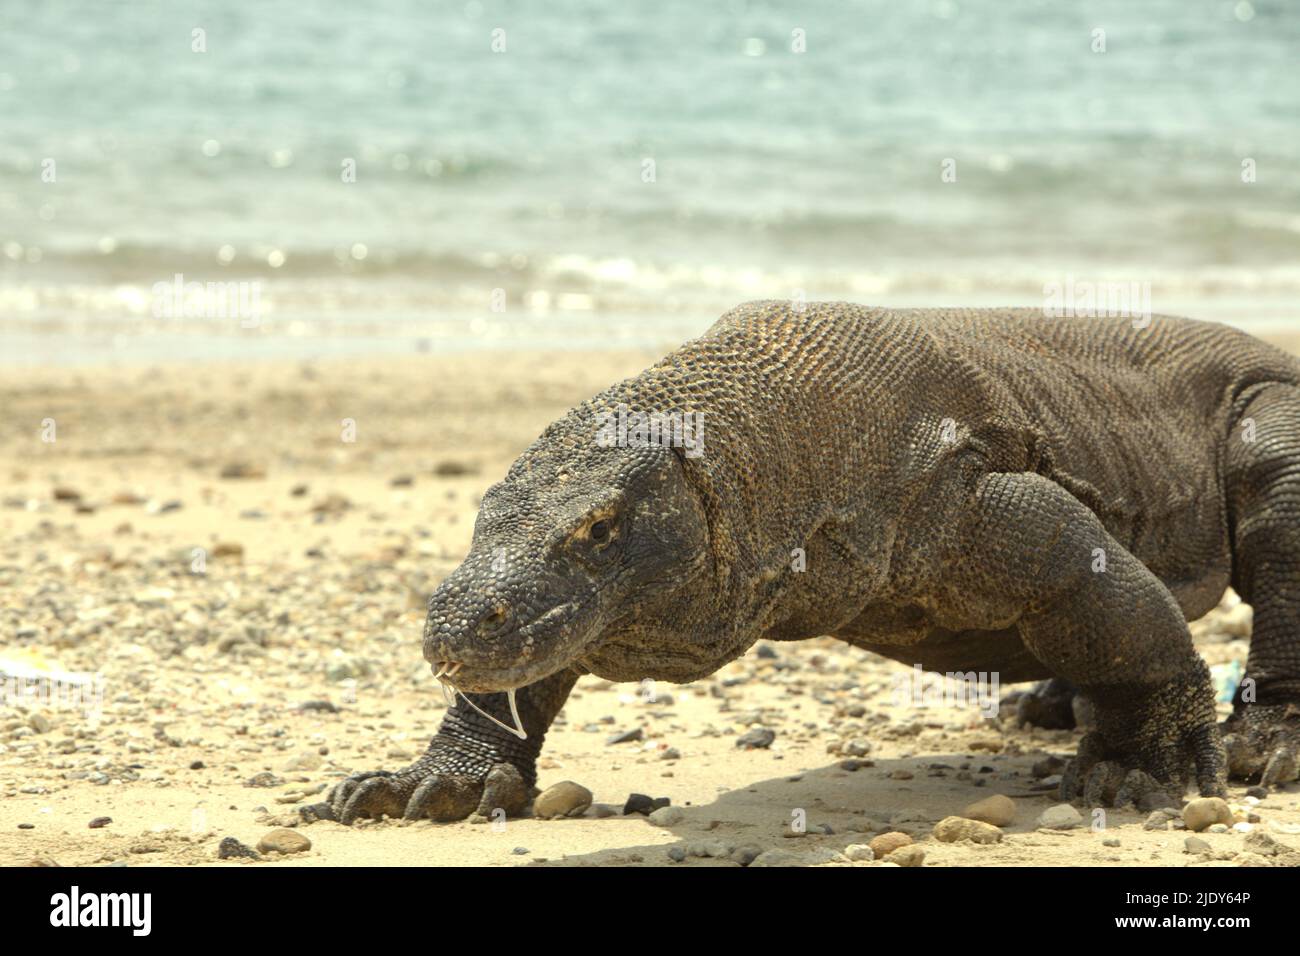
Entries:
{"x":978,"y":490}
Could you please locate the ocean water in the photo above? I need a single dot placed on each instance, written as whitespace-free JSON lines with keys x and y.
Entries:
{"x":580,"y":174}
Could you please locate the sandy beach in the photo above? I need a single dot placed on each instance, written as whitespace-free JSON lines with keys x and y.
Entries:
{"x":250,"y":584}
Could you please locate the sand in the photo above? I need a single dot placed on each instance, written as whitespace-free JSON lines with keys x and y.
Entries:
{"x":317,"y":555}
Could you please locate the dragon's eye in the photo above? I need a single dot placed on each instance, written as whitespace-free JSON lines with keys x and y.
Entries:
{"x":599,"y":531}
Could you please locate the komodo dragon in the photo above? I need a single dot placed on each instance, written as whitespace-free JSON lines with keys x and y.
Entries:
{"x":972,"y":490}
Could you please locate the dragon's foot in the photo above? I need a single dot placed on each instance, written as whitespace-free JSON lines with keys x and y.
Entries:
{"x":1148,"y":747}
{"x":1263,"y":742}
{"x":443,"y":785}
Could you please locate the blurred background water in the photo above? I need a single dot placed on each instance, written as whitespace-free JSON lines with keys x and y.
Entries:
{"x":525,"y":168}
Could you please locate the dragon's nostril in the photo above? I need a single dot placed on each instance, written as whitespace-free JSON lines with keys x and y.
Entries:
{"x":493,"y":621}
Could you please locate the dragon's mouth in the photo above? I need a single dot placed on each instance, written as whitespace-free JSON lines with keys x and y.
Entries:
{"x":445,"y":672}
{"x":539,"y":648}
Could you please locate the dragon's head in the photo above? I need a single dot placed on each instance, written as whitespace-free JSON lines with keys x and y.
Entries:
{"x":581,"y":535}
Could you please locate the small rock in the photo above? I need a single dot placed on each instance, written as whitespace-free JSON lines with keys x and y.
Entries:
{"x":283,"y":840}
{"x":998,"y":810}
{"x":911,"y":855}
{"x":1204,"y":812}
{"x":332,"y":504}
{"x":887,"y":843}
{"x":667,"y":816}
{"x":676,"y":853}
{"x":242,"y":469}
{"x":955,"y":829}
{"x":760,"y":738}
{"x":565,"y":799}
{"x":640,"y":803}
{"x":775,"y":858}
{"x":100,"y":822}
{"x":324,"y":706}
{"x":228,"y":549}
{"x":1060,"y":817}
{"x":627,"y":736}
{"x":232,"y":849}
{"x":304,"y":762}
{"x":859,"y":852}
{"x":746,"y":855}
{"x":264,"y":779}
{"x":39,"y":723}
{"x":1158,"y":820}
{"x":1195,"y":845}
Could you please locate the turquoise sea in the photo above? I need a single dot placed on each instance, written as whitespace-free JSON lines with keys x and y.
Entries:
{"x":579,"y":174}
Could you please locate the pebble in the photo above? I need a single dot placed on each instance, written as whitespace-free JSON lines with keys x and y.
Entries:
{"x":242,"y":469}
{"x":264,"y":779}
{"x":1159,"y":819}
{"x":324,"y":706}
{"x":1195,"y":845}
{"x":1204,"y":812}
{"x":775,"y":858}
{"x":955,"y":829}
{"x":232,"y":849}
{"x":39,"y":723}
{"x":99,"y":822}
{"x":998,"y":810}
{"x":564,"y":799}
{"x":667,"y":816}
{"x":887,"y":843}
{"x":1060,"y":817}
{"x":283,"y":840}
{"x":859,"y":852}
{"x":676,"y":853}
{"x":911,"y":855}
{"x":747,"y":854}
{"x":640,"y":803}
{"x":304,"y":761}
{"x":760,"y":738}
{"x":627,"y":736}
